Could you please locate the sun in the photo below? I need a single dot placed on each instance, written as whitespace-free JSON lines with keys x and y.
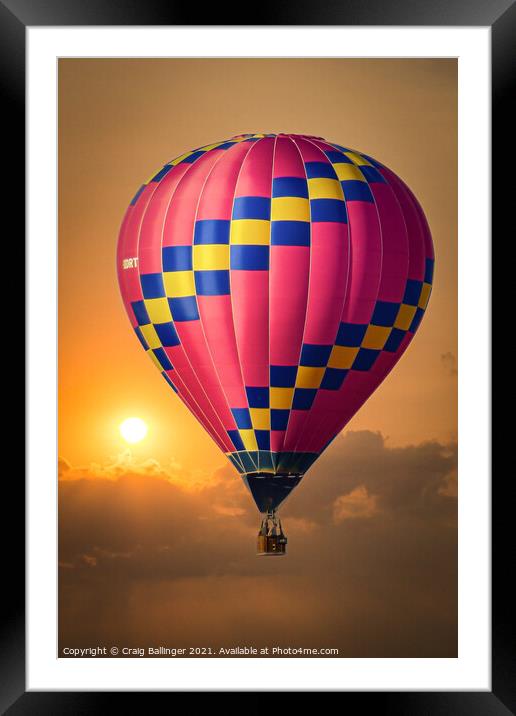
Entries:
{"x":133,"y":430}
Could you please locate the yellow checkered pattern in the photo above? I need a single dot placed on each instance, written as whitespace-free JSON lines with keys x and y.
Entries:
{"x":210,"y":257}
{"x":179,"y":284}
{"x":250,"y":232}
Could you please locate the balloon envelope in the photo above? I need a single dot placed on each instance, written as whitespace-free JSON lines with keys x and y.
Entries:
{"x":274,"y":281}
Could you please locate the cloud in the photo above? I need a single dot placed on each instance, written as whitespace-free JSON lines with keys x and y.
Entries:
{"x":449,"y":361}
{"x":151,"y":552}
{"x":356,"y":504}
{"x":63,"y":467}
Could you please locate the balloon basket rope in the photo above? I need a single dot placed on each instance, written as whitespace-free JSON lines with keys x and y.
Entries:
{"x":271,"y":538}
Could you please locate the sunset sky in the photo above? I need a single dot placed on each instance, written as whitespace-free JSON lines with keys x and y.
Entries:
{"x":158,"y":543}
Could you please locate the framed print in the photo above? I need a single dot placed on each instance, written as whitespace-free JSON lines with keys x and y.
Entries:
{"x":274,"y":214}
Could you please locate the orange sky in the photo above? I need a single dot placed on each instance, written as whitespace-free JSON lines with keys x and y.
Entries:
{"x":159,"y":545}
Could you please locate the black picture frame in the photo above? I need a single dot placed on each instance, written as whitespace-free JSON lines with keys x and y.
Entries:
{"x":500,"y":16}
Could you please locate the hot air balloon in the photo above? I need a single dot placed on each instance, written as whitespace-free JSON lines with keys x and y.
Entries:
{"x":274,"y":280}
